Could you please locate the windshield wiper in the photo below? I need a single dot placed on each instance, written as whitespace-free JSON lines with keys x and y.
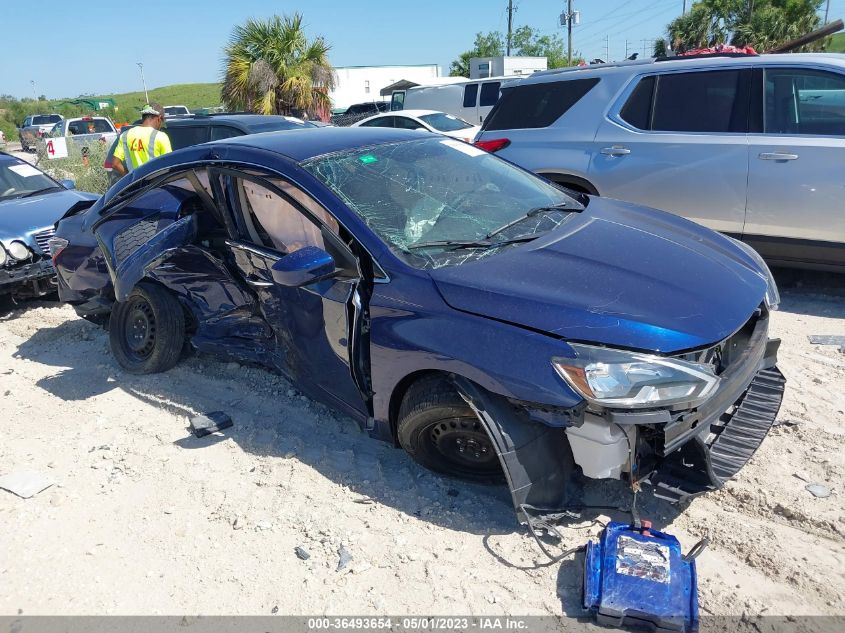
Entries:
{"x":40,"y":191}
{"x":455,"y":244}
{"x":459,"y":244}
{"x":526,"y":215}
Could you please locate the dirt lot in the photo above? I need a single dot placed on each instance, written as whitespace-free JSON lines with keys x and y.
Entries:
{"x":146,"y":519}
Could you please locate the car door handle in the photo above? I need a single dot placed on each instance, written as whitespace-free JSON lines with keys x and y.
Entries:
{"x":777,"y":156}
{"x":616,"y":150}
{"x":258,"y":283}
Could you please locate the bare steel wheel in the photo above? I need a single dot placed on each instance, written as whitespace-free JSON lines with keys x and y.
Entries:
{"x":140,"y":332}
{"x":439,"y":430}
{"x":147,"y":331}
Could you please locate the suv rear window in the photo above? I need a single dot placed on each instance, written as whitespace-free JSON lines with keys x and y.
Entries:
{"x":537,"y":105}
{"x":707,"y":101}
{"x":637,"y":109}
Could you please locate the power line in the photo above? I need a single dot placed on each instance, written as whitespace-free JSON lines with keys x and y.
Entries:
{"x":651,"y":16}
{"x":618,"y":18}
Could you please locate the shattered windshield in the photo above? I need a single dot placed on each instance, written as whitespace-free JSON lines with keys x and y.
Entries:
{"x":442,"y":202}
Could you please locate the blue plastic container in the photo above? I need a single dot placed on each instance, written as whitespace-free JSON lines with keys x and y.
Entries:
{"x":640,"y":578}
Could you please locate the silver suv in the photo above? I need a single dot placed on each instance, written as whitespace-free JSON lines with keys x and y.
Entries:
{"x":753,"y":146}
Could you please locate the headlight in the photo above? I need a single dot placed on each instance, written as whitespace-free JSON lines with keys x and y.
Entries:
{"x":619,"y":379}
{"x":3,"y":256}
{"x":772,"y":294}
{"x":19,"y":250}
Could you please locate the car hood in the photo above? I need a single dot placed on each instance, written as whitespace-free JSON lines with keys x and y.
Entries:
{"x":618,"y":275}
{"x":20,"y":216}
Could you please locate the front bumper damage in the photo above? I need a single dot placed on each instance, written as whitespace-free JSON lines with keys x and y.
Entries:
{"x":33,"y":279}
{"x":680,"y":453}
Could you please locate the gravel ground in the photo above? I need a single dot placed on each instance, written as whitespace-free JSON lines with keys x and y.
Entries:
{"x":146,"y":519}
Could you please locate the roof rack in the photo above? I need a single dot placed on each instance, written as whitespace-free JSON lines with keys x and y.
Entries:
{"x":703,"y":56}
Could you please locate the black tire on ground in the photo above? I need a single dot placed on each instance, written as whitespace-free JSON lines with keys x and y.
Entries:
{"x":147,"y":331}
{"x":441,"y":432}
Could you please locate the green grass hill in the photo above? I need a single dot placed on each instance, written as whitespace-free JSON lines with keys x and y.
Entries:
{"x":128,"y":104}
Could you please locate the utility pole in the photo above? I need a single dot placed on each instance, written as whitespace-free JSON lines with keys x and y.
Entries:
{"x":626,"y":49}
{"x":143,"y":81}
{"x":826,"y":11}
{"x":684,"y":8}
{"x":569,"y":17}
{"x":34,"y":95}
{"x":607,"y":48}
{"x":510,"y":25}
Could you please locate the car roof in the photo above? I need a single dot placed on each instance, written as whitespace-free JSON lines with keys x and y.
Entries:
{"x":627,"y":67}
{"x":301,"y":145}
{"x":246,"y":121}
{"x":416,"y":113}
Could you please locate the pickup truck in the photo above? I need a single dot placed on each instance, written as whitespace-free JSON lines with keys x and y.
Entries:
{"x":85,"y":130}
{"x":34,"y":127}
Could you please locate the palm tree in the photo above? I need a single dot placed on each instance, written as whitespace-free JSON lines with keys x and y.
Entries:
{"x":763,"y":24}
{"x":270,"y":67}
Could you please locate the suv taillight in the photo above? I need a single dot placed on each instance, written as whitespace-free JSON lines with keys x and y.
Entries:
{"x":493,"y":145}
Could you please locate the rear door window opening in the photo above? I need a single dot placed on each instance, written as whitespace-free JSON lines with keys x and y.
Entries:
{"x":706,"y":101}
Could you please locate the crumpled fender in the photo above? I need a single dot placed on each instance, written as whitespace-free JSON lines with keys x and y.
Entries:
{"x":535,"y":457}
{"x":134,"y":268}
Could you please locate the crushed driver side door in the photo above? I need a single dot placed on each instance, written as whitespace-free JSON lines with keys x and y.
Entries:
{"x":318,"y":325}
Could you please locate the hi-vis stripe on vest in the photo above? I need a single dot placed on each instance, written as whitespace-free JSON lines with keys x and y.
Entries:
{"x":138,"y":146}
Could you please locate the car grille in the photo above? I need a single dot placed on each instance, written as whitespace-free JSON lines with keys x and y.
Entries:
{"x":42,"y":238}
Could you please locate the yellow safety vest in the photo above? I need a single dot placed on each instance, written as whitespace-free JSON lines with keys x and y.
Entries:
{"x":141,"y":143}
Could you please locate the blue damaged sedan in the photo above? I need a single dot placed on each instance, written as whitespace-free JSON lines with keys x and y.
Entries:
{"x":30,"y":204}
{"x":490,"y":323}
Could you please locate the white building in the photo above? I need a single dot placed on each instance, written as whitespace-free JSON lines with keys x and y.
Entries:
{"x":504,"y":66}
{"x":358,"y":84}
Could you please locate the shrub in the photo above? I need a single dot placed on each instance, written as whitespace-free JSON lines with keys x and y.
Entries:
{"x":83,"y":165}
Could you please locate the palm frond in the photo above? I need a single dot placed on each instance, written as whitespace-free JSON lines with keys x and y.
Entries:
{"x":270,"y":66}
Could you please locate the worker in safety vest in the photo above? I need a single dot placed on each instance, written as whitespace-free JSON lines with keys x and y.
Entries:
{"x":143,"y":142}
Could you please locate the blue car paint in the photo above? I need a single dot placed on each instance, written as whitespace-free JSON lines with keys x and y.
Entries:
{"x":614,"y":275}
{"x":22,"y":216}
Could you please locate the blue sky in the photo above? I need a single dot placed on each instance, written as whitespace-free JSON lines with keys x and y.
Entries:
{"x":92,"y":46}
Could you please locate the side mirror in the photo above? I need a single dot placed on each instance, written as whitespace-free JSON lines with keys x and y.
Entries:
{"x":420,"y":129}
{"x":305,"y":266}
{"x":68,"y":184}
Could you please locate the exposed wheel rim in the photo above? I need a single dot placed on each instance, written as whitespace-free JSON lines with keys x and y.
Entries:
{"x":140,"y":329}
{"x":462,"y":447}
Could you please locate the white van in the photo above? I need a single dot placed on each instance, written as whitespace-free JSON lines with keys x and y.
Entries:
{"x":471,"y":99}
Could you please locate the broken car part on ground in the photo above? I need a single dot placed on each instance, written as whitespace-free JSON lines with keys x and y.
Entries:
{"x":454,"y":304}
